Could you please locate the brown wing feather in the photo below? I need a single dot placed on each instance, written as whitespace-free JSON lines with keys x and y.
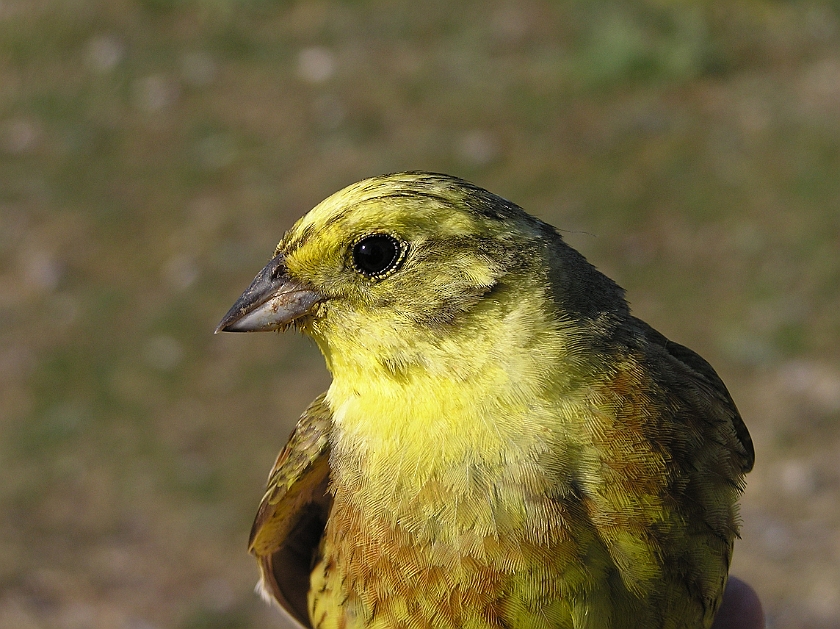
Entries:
{"x":703,"y":372}
{"x":293,"y":511}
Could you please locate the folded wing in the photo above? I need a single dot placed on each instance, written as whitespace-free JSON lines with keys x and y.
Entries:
{"x":293,"y":512}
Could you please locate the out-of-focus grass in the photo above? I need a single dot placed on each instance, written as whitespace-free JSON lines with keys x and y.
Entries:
{"x":152,"y":153}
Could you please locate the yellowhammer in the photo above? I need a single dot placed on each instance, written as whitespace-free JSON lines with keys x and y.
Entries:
{"x":503,"y":444}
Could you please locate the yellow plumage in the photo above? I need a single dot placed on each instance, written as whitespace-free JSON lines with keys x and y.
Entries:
{"x":503,"y":443}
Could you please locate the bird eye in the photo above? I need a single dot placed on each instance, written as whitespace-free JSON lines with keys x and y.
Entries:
{"x":375,"y":255}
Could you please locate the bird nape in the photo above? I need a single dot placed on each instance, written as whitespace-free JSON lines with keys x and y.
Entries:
{"x":503,"y":443}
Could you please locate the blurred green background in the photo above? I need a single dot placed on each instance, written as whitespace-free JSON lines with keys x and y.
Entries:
{"x":152,"y":152}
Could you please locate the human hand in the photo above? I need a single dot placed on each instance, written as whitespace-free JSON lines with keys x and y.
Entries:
{"x":741,"y":607}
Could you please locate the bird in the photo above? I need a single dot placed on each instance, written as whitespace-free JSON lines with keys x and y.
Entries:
{"x":502,"y":445}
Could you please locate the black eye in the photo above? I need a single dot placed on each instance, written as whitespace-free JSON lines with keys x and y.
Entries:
{"x":377,"y":254}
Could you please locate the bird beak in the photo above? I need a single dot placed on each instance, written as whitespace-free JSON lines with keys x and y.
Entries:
{"x":271,"y":301}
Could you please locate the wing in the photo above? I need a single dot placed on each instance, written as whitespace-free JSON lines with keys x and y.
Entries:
{"x":711,"y":450}
{"x":660,"y":481}
{"x":707,"y":380}
{"x":293,"y":512}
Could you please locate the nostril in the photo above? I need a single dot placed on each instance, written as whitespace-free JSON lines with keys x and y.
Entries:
{"x":278,"y":268}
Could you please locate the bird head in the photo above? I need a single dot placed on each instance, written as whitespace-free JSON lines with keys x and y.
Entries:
{"x":391,"y":260}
